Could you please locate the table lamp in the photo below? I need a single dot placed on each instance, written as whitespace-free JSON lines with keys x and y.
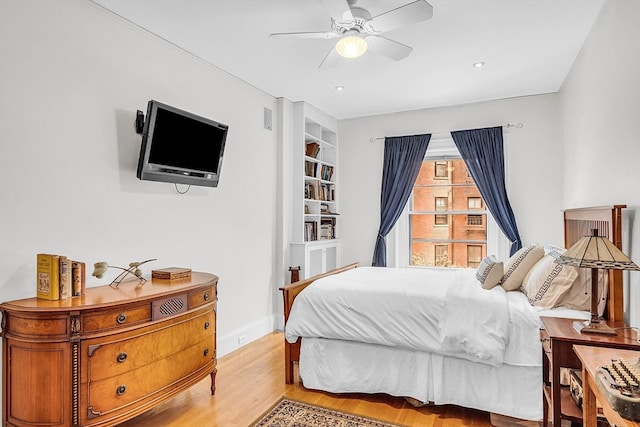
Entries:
{"x":595,"y":252}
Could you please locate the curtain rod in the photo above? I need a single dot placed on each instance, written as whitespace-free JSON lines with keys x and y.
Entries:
{"x":508,"y":125}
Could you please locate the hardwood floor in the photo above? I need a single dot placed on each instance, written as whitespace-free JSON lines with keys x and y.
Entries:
{"x":251,"y":380}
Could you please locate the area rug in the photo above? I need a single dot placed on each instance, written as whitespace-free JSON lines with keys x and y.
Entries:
{"x":290,"y":413}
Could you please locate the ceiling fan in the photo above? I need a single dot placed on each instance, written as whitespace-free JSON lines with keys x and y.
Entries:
{"x":358,"y":31}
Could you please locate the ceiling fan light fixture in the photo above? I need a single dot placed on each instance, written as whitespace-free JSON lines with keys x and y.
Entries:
{"x":351,"y":46}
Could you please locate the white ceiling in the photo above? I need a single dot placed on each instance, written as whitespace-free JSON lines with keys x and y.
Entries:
{"x":528,"y":47}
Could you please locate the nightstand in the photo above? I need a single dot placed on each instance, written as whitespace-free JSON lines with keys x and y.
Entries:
{"x":558,"y":338}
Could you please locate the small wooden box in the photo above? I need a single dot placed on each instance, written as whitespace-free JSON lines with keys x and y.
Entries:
{"x":171,"y":273}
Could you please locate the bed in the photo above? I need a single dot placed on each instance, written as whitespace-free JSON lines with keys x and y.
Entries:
{"x":381,"y":330}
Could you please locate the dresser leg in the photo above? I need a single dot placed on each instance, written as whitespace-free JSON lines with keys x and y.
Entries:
{"x":213,"y":381}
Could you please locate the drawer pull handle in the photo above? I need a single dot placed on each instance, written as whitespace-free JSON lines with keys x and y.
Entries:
{"x":206,"y":352}
{"x":206,"y":325}
{"x":121,"y":357}
{"x":121,"y":389}
{"x":206,"y":296}
{"x":121,"y":318}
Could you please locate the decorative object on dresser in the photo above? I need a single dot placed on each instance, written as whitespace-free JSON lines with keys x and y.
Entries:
{"x":595,"y":252}
{"x":100,"y":268}
{"x":109,"y":356}
{"x":171,"y":273}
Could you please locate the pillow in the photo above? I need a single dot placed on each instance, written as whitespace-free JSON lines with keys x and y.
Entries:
{"x":519,"y":265}
{"x":579,"y":295}
{"x":550,"y":249}
{"x":490,"y":272}
{"x":547,"y":282}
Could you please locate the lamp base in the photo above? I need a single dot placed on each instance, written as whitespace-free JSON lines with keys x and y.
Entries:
{"x":588,"y":327}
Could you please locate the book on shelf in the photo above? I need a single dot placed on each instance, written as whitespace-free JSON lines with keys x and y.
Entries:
{"x":312,"y":149}
{"x":64,"y":272}
{"x":326,"y":172}
{"x":48,"y":276}
{"x":311,"y":190}
{"x":328,"y":228}
{"x":310,"y":168}
{"x":310,"y":231}
{"x":326,"y":192}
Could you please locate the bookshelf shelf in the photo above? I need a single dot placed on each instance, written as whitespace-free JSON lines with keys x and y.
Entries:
{"x":315,"y":243}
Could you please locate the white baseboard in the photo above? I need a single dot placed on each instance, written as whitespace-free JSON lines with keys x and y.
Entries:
{"x":243,"y":336}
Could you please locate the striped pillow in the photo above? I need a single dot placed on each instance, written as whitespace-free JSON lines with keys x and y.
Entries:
{"x":547,"y":282}
{"x":490,"y":272}
{"x":517,"y":267}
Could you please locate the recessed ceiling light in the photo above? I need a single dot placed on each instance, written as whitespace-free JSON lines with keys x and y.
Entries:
{"x":339,"y":88}
{"x":478,"y":64}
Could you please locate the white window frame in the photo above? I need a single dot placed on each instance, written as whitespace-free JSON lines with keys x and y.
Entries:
{"x":398,"y":247}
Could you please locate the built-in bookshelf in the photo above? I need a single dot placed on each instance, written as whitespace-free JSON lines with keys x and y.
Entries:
{"x":315,"y":210}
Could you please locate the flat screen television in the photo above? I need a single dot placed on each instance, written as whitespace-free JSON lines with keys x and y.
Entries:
{"x":180,"y":147}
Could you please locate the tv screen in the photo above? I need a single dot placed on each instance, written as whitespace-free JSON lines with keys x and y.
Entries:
{"x":180,"y":147}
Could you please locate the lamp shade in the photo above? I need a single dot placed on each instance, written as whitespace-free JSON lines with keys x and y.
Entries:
{"x":351,"y":45}
{"x":596,"y":252}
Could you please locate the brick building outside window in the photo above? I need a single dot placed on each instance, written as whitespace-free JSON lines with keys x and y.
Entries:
{"x":447,"y":217}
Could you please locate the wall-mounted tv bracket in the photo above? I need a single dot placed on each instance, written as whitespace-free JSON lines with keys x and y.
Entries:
{"x":139,"y":122}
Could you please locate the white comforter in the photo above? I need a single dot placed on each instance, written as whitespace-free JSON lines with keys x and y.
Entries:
{"x":434,"y":310}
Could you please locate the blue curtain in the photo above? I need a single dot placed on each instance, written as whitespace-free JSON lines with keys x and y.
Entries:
{"x":403,"y":157}
{"x":483,"y":153}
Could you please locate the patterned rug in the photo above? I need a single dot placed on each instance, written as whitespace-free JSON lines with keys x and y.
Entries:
{"x":290,"y":413}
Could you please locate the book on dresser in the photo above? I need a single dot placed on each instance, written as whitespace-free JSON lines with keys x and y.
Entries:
{"x":59,"y":277}
{"x":66,"y":290}
{"x":48,"y":276}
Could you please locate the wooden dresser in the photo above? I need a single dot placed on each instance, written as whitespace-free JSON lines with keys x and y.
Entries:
{"x":109,"y":355}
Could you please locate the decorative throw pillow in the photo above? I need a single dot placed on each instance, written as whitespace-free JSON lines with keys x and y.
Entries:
{"x":518,"y":265}
{"x":547,"y":282}
{"x":578,"y":297}
{"x":490,"y":272}
{"x":551,"y":249}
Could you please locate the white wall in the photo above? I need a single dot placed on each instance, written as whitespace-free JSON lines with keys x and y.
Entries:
{"x":600,"y":108}
{"x":72,"y":76}
{"x":533,"y":162}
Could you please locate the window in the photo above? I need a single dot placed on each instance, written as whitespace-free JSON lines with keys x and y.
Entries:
{"x":474,"y":202}
{"x":474,"y":255}
{"x":441,"y":205}
{"x":441,"y":253}
{"x":446,"y":219}
{"x":441,"y":169}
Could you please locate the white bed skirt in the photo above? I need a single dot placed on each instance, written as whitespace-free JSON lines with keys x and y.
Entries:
{"x":350,"y":367}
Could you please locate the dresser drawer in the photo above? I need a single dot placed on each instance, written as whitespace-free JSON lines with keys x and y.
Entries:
{"x":202,"y":296}
{"x":121,"y":317}
{"x":34,"y":326}
{"x":114,"y":355}
{"x":118,"y":393}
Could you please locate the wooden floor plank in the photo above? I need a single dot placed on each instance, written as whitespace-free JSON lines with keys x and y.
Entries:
{"x":251,"y":380}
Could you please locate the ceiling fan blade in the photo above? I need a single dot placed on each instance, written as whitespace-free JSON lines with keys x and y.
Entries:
{"x":388,"y":48}
{"x":310,"y":35}
{"x":331,"y":60}
{"x":411,"y":13}
{"x":338,"y":10}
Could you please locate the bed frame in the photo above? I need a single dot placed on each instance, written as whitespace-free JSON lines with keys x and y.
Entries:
{"x":577,"y":224}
